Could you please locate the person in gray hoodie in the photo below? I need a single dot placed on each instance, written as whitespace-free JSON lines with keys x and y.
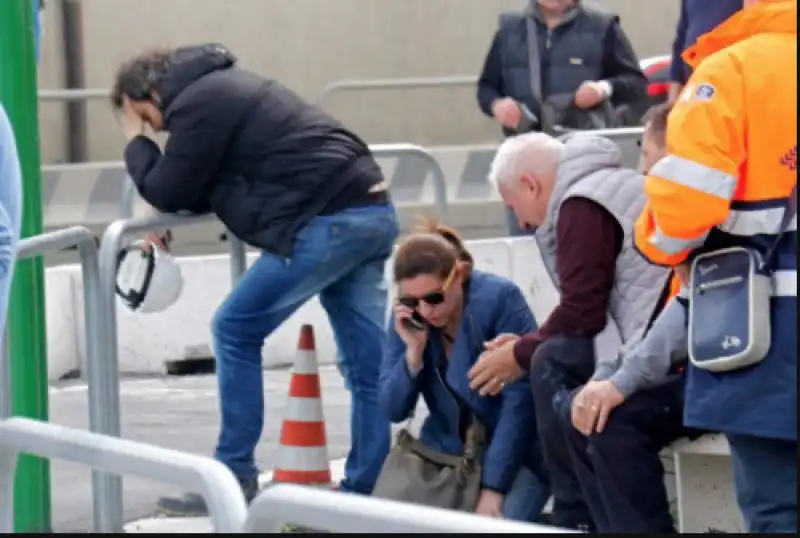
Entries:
{"x":617,"y":424}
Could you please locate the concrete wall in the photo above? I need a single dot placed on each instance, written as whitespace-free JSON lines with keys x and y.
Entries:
{"x":309,"y":43}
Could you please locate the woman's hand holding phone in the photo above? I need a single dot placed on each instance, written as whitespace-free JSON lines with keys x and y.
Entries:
{"x":414,"y":338}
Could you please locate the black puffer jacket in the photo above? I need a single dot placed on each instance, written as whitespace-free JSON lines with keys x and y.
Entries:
{"x":246,"y":148}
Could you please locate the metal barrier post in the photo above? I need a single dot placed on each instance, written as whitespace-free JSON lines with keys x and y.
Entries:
{"x":81,"y":237}
{"x":108,"y":406}
{"x":412,"y":150}
{"x":353,"y":514}
{"x":393,"y":84}
{"x":82,"y":94}
{"x":237,"y":248}
{"x":223,"y":495}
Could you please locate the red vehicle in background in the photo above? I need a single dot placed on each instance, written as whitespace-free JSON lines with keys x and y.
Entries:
{"x":657,"y":70}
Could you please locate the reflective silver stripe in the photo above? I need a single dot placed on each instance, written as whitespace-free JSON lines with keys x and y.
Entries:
{"x":785,"y":283}
{"x":755,"y":222}
{"x":674,"y":245}
{"x":695,"y":176}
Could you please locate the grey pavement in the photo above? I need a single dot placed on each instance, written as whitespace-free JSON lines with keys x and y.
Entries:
{"x":180,"y":413}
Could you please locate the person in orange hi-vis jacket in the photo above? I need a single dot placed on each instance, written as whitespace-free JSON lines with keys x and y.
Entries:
{"x":727,"y":179}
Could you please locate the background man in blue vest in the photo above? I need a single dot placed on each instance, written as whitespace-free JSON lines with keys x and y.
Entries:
{"x":570,"y":61}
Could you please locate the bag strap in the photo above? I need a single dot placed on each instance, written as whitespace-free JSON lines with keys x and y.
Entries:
{"x":475,"y":437}
{"x":535,"y":70}
{"x":788,"y":215}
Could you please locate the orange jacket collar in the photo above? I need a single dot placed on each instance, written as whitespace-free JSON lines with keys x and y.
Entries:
{"x":767,"y":16}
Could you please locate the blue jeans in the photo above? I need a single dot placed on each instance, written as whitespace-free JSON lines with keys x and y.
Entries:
{"x":765,"y":474}
{"x":341,"y":257}
{"x":527,"y":497}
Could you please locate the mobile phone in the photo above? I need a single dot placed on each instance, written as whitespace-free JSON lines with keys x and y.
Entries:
{"x":415,"y":322}
{"x":527,"y":119}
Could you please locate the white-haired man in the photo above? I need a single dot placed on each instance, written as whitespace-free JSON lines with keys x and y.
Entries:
{"x":584,"y":204}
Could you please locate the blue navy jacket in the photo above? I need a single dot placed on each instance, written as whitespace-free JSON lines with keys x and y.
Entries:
{"x":494,"y":305}
{"x":698,"y":17}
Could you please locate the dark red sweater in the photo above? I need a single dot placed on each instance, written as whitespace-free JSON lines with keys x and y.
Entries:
{"x":588,"y":239}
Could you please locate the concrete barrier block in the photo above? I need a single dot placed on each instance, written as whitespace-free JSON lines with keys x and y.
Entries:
{"x":531,"y":275}
{"x":492,"y":256}
{"x":146,"y":341}
{"x":62,"y":346}
{"x":183,"y":331}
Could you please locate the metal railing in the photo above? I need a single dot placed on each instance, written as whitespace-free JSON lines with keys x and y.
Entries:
{"x":83,"y":94}
{"x":379,"y":151}
{"x":107,"y":406}
{"x":354,"y":514}
{"x":88,"y":94}
{"x":383,"y":151}
{"x":82,"y":238}
{"x":210,"y":478}
{"x":340,"y":86}
{"x":96,"y":356}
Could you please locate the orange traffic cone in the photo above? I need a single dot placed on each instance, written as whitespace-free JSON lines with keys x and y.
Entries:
{"x":303,"y":450}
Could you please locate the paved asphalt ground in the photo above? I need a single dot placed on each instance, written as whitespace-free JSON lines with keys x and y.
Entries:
{"x":179,"y":413}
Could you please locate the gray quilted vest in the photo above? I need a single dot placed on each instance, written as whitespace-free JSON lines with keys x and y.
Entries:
{"x":591,"y":167}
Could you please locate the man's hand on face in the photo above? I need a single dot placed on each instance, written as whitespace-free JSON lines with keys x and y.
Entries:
{"x":589,"y":95}
{"x":593,"y":404}
{"x":131,"y":123}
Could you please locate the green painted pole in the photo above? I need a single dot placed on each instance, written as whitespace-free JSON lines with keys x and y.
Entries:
{"x":26,"y":321}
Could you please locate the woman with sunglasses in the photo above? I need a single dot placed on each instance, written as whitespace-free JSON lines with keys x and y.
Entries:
{"x":444,"y":313}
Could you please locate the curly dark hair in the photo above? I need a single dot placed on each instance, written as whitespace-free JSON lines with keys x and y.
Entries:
{"x":138,"y":77}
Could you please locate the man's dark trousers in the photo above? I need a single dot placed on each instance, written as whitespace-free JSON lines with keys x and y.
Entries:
{"x":559,"y":366}
{"x":620,"y":469}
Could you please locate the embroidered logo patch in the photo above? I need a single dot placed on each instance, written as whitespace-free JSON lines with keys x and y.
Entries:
{"x":789,"y":159}
{"x":705,"y":92}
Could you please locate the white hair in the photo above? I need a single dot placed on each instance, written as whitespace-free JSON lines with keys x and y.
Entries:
{"x":530,"y":153}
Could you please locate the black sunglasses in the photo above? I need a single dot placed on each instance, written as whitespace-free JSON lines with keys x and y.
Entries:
{"x":433,"y":299}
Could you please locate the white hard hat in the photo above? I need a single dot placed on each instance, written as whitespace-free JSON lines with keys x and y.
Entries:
{"x":148,"y":280}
